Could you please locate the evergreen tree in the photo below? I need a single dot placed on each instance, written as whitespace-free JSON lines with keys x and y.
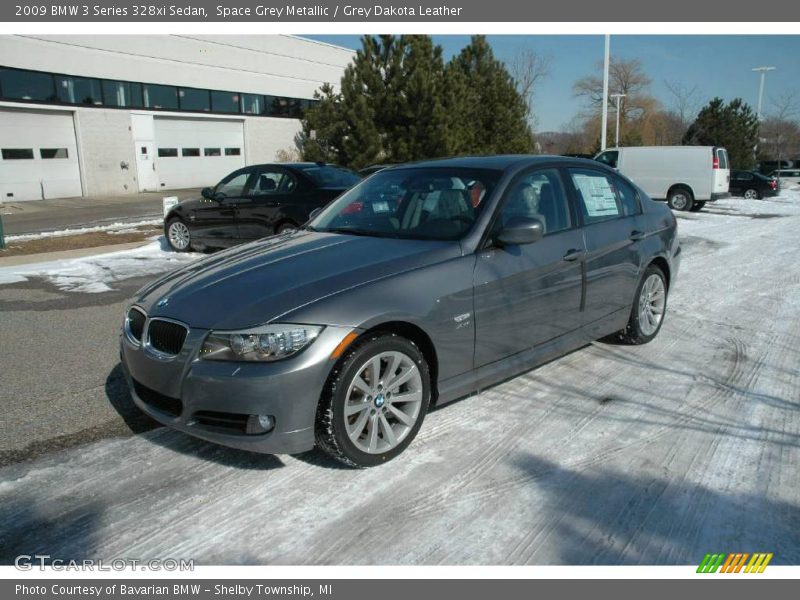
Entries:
{"x":323,"y":129}
{"x":494,"y":113}
{"x":399,"y":102}
{"x":733,"y":126}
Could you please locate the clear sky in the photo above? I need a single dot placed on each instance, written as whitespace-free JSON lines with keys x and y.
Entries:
{"x":718,"y":64}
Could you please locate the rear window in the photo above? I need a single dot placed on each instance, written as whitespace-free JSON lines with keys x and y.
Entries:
{"x":327,"y":176}
{"x":722,"y":155}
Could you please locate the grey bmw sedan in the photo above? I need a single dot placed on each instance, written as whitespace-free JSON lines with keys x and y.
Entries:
{"x":422,"y":284}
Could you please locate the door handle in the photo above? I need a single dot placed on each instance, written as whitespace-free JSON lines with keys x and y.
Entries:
{"x":637,"y":235}
{"x":574,"y":254}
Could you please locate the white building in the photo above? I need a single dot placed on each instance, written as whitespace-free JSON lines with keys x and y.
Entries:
{"x":101,"y":114}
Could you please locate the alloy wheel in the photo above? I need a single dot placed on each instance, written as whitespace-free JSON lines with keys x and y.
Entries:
{"x":383,"y":402}
{"x":179,"y":235}
{"x":652,"y":299}
{"x":751,"y":194}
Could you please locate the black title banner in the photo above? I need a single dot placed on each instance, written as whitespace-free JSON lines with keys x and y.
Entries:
{"x":396,"y":10}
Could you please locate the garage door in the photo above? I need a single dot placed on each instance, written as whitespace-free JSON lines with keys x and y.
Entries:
{"x":197,"y":152}
{"x":38,"y":155}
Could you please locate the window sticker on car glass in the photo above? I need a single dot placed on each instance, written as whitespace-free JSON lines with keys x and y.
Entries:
{"x":380,"y":207}
{"x":598,"y":195}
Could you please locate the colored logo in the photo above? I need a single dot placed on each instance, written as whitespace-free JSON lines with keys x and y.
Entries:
{"x":735,"y":562}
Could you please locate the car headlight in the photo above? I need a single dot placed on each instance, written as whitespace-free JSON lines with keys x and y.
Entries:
{"x":267,"y":343}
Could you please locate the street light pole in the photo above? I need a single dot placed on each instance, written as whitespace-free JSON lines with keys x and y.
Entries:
{"x":617,"y":98}
{"x":604,"y":117}
{"x":763,"y":71}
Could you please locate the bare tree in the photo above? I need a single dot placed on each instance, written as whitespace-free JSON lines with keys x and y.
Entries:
{"x":625,"y":77}
{"x":528,"y":68}
{"x":685,"y":101}
{"x":780,"y":130}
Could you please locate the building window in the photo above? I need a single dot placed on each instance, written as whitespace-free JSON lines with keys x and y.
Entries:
{"x":79,"y":90}
{"x":233,"y":151}
{"x":122,"y":94}
{"x":160,"y":96}
{"x":17,"y":153}
{"x":53,"y":153}
{"x":190,"y":152}
{"x":252,"y":104}
{"x":212,"y":152}
{"x":23,"y":85}
{"x":167,"y":152}
{"x":225,"y":102}
{"x":194,"y":99}
{"x":276,"y":106}
{"x":27,"y":85}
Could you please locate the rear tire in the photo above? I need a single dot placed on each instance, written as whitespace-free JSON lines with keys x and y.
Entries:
{"x":178,"y":235}
{"x":648,"y":310}
{"x":698,"y":206}
{"x":752,"y":194}
{"x":680,"y":198}
{"x":361,"y":419}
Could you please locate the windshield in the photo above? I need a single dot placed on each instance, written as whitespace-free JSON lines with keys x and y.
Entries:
{"x":416,"y":203}
{"x":327,"y":176}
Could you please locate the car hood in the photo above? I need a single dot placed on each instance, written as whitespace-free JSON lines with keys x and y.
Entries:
{"x":258,"y":282}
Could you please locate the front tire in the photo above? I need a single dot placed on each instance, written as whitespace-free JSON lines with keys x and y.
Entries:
{"x":374,"y":402}
{"x":178,"y":235}
{"x":680,"y":198}
{"x":649,"y":308}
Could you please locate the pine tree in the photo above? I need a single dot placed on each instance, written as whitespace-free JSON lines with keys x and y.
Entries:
{"x":323,"y":129}
{"x":733,"y":126}
{"x":494,"y":114}
{"x":399,"y":102}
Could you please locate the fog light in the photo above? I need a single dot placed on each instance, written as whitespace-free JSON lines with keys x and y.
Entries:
{"x":260,"y":424}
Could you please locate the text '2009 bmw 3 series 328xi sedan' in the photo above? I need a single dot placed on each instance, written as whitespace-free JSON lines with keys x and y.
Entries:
{"x":420,"y":285}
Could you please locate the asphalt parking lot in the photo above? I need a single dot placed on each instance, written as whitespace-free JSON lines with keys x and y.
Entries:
{"x":654,"y":454}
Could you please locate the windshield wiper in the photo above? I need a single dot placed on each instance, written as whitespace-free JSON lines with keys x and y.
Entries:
{"x":351,"y":231}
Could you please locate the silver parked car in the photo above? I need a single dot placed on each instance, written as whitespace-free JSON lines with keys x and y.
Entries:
{"x":423,"y":283}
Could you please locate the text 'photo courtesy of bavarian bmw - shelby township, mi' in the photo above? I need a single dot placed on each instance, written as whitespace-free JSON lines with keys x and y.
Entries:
{"x":400,"y":300}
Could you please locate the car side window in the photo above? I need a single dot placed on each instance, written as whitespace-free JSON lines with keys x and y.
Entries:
{"x":628,"y":197}
{"x":609,"y":158}
{"x":233,"y":185}
{"x":599,"y":196}
{"x":272,"y":181}
{"x":539,"y":195}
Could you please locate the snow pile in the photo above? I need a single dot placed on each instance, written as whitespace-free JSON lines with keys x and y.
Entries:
{"x":118,"y":227}
{"x":95,"y":274}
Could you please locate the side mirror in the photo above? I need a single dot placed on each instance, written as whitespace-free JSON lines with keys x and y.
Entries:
{"x":207,"y":193}
{"x":520,"y":230}
{"x":313,"y":214}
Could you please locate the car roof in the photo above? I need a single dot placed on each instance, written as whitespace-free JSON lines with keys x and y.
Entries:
{"x":500,"y":162}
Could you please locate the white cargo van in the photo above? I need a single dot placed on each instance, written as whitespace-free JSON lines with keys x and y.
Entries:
{"x":685,"y":176}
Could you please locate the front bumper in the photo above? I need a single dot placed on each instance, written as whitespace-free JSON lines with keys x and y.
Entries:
{"x":180,"y":392}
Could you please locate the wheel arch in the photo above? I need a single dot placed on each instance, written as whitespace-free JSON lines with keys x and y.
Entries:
{"x":677,"y":186}
{"x":663,"y":264}
{"x":420,"y":338}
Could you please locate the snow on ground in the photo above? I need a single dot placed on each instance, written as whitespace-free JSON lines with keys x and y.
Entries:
{"x":653,"y":454}
{"x":95,"y":274}
{"x":114,"y":228}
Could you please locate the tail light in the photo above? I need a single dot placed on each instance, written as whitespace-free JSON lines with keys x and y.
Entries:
{"x":716,"y":161}
{"x":773,"y":184}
